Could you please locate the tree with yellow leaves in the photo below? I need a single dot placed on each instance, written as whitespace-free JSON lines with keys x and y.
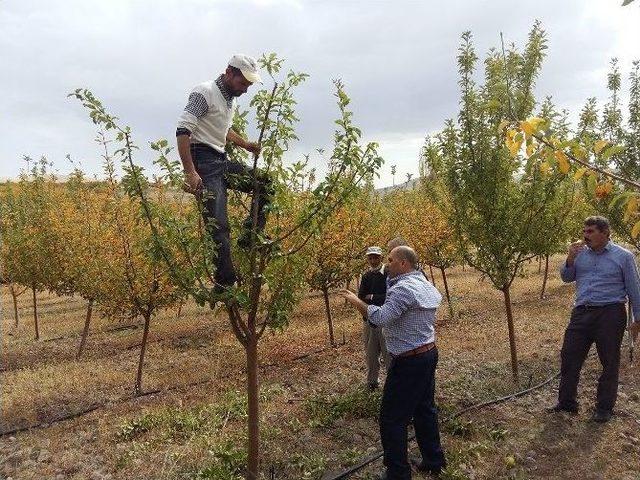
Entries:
{"x":498,"y":194}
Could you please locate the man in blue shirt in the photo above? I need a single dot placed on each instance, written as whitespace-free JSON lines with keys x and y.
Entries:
{"x":408,"y":319}
{"x":606,"y":276}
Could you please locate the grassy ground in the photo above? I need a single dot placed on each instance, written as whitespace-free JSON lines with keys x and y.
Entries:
{"x":316,"y":416}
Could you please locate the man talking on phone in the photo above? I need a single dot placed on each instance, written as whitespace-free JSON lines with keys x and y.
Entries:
{"x":606,"y":276}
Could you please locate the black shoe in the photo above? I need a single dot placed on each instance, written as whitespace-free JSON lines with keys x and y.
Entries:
{"x":601,"y":416}
{"x":561,"y":408}
{"x":424,"y":468}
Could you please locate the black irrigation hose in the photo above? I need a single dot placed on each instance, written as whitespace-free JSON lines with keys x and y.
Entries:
{"x":96,"y":406}
{"x":375,"y":456}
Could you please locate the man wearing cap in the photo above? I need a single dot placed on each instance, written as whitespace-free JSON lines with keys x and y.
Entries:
{"x":372,"y":291}
{"x":408,"y":318}
{"x":203,"y":130}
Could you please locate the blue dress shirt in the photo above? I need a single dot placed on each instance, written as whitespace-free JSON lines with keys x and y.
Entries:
{"x":608,"y":276}
{"x":408,"y":314}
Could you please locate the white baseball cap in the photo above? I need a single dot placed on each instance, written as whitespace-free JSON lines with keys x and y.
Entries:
{"x":374,"y":251}
{"x":247,"y":65}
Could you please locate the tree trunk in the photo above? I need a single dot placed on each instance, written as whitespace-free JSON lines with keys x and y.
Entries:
{"x":546,"y":276}
{"x":85,"y":331}
{"x":253,"y":419}
{"x":35,"y":312}
{"x":446,"y":290}
{"x":446,"y":285}
{"x":539,"y":263}
{"x":179,"y":310}
{"x":433,"y":278}
{"x":14,"y":295}
{"x":145,"y":335}
{"x":512,"y":335}
{"x":325,"y":294}
{"x":347,"y":286}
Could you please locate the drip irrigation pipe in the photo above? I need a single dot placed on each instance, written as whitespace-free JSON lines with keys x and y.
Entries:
{"x":96,"y":406}
{"x":378,"y":454}
{"x":375,"y":456}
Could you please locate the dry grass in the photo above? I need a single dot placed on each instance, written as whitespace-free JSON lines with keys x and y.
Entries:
{"x":316,"y":417}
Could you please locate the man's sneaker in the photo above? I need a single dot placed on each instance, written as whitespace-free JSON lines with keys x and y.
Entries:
{"x":561,"y":408}
{"x":422,"y":467}
{"x":601,"y":416}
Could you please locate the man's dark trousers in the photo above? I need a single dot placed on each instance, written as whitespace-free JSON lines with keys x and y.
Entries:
{"x":409,"y":394}
{"x":605,"y":326}
{"x":218,"y":174}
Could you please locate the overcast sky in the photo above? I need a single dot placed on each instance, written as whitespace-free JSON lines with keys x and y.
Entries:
{"x":397,"y":59}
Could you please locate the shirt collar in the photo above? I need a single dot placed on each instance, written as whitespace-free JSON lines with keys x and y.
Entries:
{"x":379,"y":269}
{"x":224,"y":90}
{"x":606,"y":248}
{"x":397,"y":278}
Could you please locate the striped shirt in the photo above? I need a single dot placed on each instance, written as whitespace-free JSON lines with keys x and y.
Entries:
{"x":408,"y":314}
{"x":608,"y":276}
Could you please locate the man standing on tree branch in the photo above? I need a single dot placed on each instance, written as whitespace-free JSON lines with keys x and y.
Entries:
{"x":203,"y":130}
{"x":606,"y":276}
{"x":407,"y":316}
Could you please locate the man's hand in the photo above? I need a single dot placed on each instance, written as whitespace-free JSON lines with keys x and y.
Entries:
{"x":353,"y":299}
{"x":253,"y":147}
{"x":192,"y":182}
{"x":349,"y":296}
{"x":574,"y":249}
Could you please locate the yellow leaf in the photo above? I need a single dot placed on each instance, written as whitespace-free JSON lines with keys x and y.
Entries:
{"x":544,"y":168}
{"x":635,"y":231}
{"x":563,"y":162}
{"x":535,"y":122}
{"x":514,"y":148}
{"x":632,"y":206}
{"x":530,"y":148}
{"x":604,"y":189}
{"x":599,"y":145}
{"x":579,"y":173}
{"x":526,"y":128}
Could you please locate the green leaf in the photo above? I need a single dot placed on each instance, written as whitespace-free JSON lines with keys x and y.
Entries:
{"x":592,"y":184}
{"x":619,"y":198}
{"x":613,"y":150}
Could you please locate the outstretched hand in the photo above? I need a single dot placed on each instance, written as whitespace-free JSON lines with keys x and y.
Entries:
{"x":349,"y":296}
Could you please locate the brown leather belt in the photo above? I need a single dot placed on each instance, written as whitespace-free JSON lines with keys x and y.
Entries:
{"x":421,"y":349}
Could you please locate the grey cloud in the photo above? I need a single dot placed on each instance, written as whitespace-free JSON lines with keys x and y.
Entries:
{"x":396,"y":58}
